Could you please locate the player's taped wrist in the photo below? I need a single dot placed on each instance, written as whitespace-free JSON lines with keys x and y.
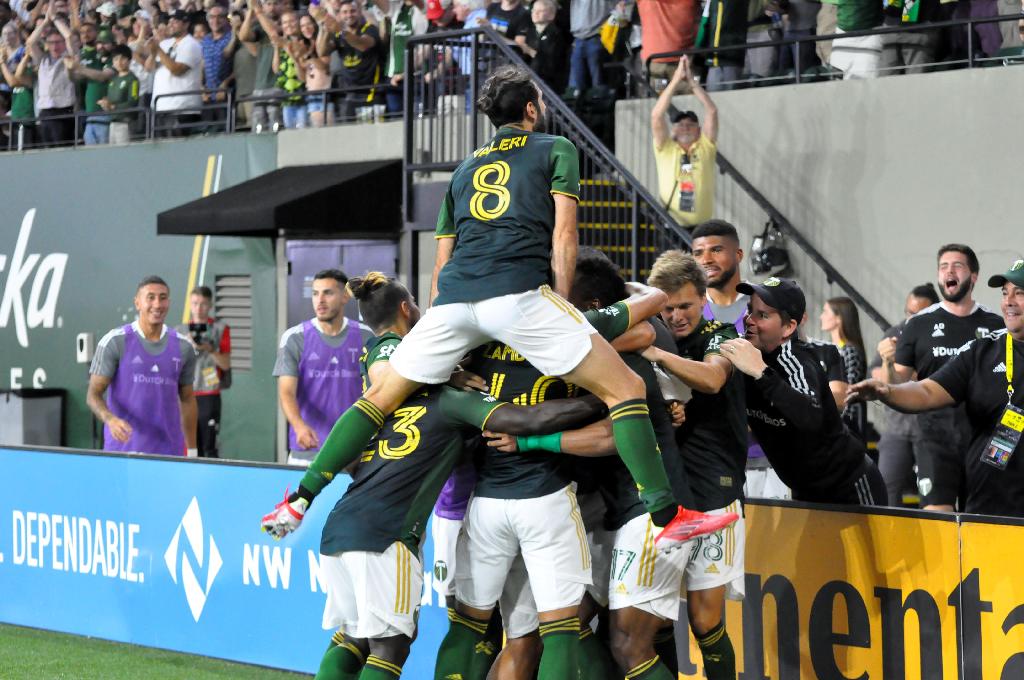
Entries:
{"x":303,"y":494}
{"x":541,"y":442}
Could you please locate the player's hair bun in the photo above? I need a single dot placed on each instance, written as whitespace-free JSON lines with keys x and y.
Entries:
{"x":362,"y":287}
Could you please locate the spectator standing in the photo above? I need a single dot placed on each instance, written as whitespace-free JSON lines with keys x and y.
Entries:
{"x":176,"y":61}
{"x":930,"y":340}
{"x":909,"y":52}
{"x":987,"y":380}
{"x":140,"y":51}
{"x":585,"y":19}
{"x":55,"y":93}
{"x":764,"y":24}
{"x":94,"y":67}
{"x":839,"y":318}
{"x":668,"y":26}
{"x":827,"y":22}
{"x":857,"y":57}
{"x":212,"y":340}
{"x":726,"y":26}
{"x":290,"y":52}
{"x":319,"y":107}
{"x":509,"y":18}
{"x":148,"y":368}
{"x":898,"y":447}
{"x":545,"y":44}
{"x":685,"y":153}
{"x":801,"y":18}
{"x":317,"y":367}
{"x":406,"y":18}
{"x":122,"y":93}
{"x":16,"y":66}
{"x":357,"y":42}
{"x":218,"y":48}
{"x":263,"y":115}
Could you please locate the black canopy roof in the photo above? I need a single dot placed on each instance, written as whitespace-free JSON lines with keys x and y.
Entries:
{"x":344,"y":199}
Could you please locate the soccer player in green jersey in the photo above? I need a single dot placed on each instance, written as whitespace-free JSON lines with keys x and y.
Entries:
{"x":506,"y":230}
{"x":713,"y":442}
{"x":371,"y":540}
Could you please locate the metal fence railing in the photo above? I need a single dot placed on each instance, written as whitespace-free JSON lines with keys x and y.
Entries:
{"x":339,"y":104}
{"x":617,"y":214}
{"x":799,"y":74}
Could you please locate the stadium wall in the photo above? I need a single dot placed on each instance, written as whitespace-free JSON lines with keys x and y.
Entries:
{"x":875,"y":173}
{"x":174,"y":559}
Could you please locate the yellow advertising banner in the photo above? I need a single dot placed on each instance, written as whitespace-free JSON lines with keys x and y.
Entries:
{"x":835,"y":595}
{"x":992,"y":594}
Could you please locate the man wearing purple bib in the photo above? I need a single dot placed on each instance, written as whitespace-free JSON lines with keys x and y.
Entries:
{"x":317,"y":367}
{"x":150,"y":406}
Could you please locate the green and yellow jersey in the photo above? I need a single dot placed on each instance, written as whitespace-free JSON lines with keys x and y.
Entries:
{"x":512,"y":378}
{"x":397,"y":479}
{"x":500,"y":211}
{"x":713,"y":440}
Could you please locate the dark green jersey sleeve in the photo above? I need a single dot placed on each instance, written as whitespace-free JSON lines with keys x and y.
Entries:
{"x":610,"y":322}
{"x":469,"y":409}
{"x":565,"y":168}
{"x":445,"y":220}
{"x":382,"y":351}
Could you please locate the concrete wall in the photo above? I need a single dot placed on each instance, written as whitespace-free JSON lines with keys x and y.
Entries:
{"x":876,"y":173}
{"x":341,"y":144}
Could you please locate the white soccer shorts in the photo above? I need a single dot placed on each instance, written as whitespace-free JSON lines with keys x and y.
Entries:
{"x":636,"y":574}
{"x":372,"y":595}
{"x":445,"y":533}
{"x":717,"y":559}
{"x":539,"y":324}
{"x":547,"y":531}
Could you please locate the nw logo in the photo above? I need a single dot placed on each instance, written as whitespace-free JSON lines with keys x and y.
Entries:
{"x":192,"y":525}
{"x":42,"y":293}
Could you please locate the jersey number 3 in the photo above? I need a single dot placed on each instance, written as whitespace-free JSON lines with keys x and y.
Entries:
{"x":406,"y":426}
{"x":485,"y":188}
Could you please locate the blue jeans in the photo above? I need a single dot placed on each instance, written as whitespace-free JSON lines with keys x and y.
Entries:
{"x":294,"y":115}
{"x":586,"y":58}
{"x":97,"y":130}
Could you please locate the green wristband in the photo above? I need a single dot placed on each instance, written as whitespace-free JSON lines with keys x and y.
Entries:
{"x":541,"y":442}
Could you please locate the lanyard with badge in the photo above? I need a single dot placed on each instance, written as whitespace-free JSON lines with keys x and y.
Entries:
{"x":686,"y":185}
{"x":1010,"y":425}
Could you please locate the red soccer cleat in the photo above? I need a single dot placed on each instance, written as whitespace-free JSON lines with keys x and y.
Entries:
{"x":689,"y":524}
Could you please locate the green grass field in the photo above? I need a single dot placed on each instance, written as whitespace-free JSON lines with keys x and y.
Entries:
{"x":41,"y":655}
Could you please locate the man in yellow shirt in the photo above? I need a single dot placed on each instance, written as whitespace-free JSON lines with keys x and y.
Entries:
{"x":685,"y":153}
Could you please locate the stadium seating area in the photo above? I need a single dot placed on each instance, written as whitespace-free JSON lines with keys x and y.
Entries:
{"x":209,"y":66}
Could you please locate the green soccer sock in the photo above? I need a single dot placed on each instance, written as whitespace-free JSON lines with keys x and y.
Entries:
{"x":455,"y":655}
{"x":595,"y":659}
{"x":349,"y":436}
{"x":560,"y":658}
{"x":486,"y":651}
{"x":719,"y":656}
{"x":665,"y":647}
{"x":377,"y":668}
{"x":652,"y":669}
{"x":342,"y":660}
{"x":638,"y":448}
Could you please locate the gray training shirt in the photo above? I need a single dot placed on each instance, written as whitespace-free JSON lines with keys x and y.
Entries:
{"x":111,"y":348}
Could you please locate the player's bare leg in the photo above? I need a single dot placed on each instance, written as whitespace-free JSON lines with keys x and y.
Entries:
{"x":519,"y":659}
{"x":387,"y":656}
{"x":706,"y":609}
{"x":603,"y":373}
{"x":632,"y":640}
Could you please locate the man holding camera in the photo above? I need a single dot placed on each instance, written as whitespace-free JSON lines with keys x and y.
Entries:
{"x":212,"y":340}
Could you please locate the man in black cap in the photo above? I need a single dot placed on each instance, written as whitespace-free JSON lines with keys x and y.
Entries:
{"x":988,"y":378}
{"x":790,"y":408}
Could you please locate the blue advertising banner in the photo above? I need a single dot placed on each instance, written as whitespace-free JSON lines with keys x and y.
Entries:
{"x":169,"y":553}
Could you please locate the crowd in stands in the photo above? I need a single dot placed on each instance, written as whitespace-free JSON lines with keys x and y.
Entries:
{"x":91,"y":68}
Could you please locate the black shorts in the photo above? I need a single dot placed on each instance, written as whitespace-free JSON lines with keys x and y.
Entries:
{"x":940,"y":460}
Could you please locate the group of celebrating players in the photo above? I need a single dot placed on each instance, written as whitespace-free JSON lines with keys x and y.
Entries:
{"x":537,"y":404}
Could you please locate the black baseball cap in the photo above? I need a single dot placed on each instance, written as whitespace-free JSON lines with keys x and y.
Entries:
{"x":782,"y":294}
{"x":1015,"y":275}
{"x":680,"y":115}
{"x":179,"y":14}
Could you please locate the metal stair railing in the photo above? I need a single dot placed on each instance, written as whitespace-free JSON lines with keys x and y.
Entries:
{"x":617,"y":214}
{"x":832,"y":274}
